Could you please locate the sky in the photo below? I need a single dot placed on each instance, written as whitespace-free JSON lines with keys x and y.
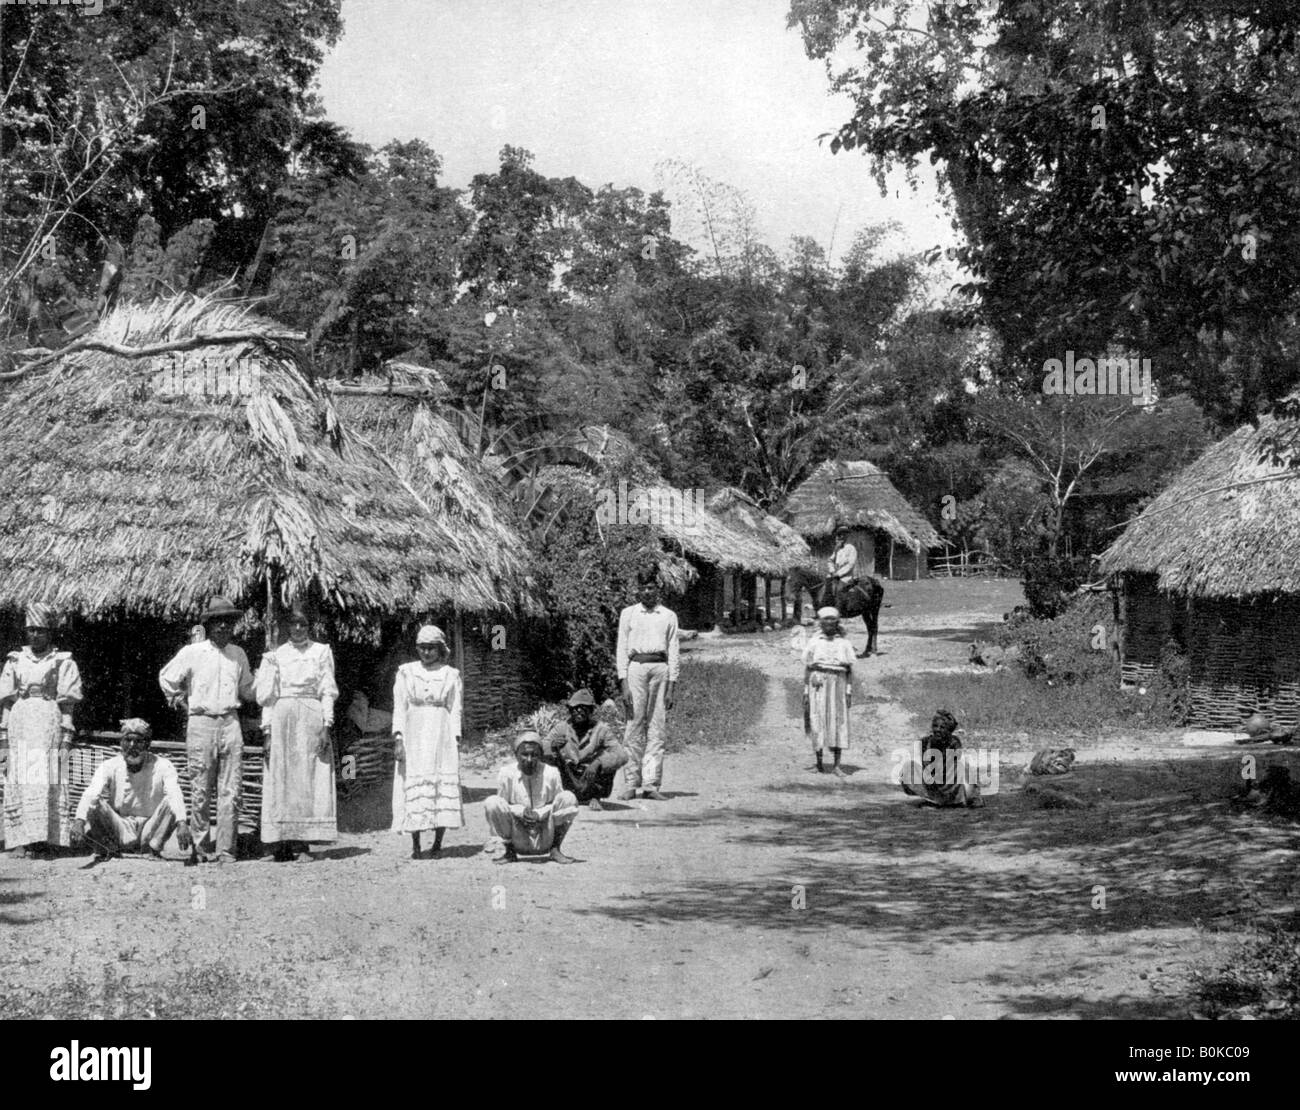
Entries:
{"x":602,"y":90}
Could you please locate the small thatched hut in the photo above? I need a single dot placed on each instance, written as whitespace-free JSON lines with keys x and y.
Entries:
{"x":1213,"y":564}
{"x":717,"y":547}
{"x":397,"y":416}
{"x":749,"y":578}
{"x":184,"y":450}
{"x":893,"y":540}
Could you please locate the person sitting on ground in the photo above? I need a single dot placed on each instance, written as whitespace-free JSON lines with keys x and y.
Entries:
{"x":585,"y":751}
{"x":938,"y":779}
{"x":134,"y":800}
{"x":531,"y":812}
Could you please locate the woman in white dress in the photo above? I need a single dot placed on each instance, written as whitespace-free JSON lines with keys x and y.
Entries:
{"x":296,"y":688}
{"x":38,"y":689}
{"x":828,"y":687}
{"x":426,"y":735}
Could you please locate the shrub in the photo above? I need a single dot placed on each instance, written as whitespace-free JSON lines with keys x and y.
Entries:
{"x":1060,"y":650}
{"x":586,"y":578}
{"x":1049,"y":583}
{"x":1261,"y":979}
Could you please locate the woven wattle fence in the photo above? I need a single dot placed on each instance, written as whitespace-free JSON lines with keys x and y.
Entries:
{"x":366,"y":761}
{"x":1244,"y":656}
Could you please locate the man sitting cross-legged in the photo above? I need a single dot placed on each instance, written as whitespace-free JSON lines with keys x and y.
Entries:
{"x":585,"y":751}
{"x":530,"y":812}
{"x":134,"y":800}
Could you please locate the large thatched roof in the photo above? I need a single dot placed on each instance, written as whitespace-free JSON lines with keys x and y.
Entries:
{"x":856,"y":495}
{"x":132,"y":486}
{"x":396,"y":414}
{"x":1227,"y":526}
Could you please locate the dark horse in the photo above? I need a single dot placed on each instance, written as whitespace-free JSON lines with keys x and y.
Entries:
{"x":863,"y":600}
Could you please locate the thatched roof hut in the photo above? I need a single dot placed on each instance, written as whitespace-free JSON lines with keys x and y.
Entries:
{"x":145,"y":485}
{"x":1213,"y":566}
{"x":397,"y":415}
{"x":1227,"y":526}
{"x":859,"y":496}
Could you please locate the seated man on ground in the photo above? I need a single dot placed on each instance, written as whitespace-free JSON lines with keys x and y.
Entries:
{"x":941,"y":778}
{"x":585,"y":751}
{"x":531,"y":812}
{"x":134,"y":800}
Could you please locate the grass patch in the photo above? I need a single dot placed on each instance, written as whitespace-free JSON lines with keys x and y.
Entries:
{"x":717,"y":704}
{"x":1009,"y":702}
{"x":204,"y":991}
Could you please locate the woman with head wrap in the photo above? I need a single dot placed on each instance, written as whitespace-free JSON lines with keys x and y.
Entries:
{"x":38,"y":689}
{"x":426,"y":735}
{"x":296,"y":689}
{"x":828,"y":687}
{"x":940,"y":777}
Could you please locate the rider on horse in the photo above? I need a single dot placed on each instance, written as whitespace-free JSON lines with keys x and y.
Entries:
{"x":842,"y":568}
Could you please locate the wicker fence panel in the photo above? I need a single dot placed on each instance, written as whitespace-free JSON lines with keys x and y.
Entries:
{"x":1245,"y":659}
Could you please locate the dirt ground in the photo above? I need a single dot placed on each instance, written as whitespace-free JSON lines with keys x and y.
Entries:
{"x":757,"y":888}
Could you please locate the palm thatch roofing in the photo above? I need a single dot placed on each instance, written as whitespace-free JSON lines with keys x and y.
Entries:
{"x":1228,"y":525}
{"x":787,"y":550}
{"x":726,"y":529}
{"x":146,"y":485}
{"x":395,"y":415}
{"x":856,"y":495}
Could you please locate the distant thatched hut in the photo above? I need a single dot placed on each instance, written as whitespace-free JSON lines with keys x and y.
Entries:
{"x":137,"y":487}
{"x":892,"y":539}
{"x":1213,"y":564}
{"x":397,"y":416}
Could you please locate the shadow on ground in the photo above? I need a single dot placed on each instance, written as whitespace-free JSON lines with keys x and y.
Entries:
{"x":1159,"y":847}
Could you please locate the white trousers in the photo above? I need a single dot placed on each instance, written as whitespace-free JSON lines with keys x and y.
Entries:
{"x":644,"y":735}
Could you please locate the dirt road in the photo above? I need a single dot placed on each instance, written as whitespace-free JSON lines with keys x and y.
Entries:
{"x":757,"y":888}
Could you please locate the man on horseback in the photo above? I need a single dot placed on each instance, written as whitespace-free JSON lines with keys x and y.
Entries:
{"x":841,"y":570}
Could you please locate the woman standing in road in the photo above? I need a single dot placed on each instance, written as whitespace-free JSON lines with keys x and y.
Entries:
{"x":828,"y":687}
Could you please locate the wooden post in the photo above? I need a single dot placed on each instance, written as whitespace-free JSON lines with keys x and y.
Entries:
{"x":916,"y":564}
{"x":272,"y":618}
{"x":891,"y":556}
{"x":458,"y":628}
{"x":767,"y":600}
{"x":783,"y":581}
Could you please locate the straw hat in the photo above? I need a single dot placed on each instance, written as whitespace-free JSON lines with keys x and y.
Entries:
{"x":220,"y":607}
{"x":430,"y":634}
{"x":582,"y":697}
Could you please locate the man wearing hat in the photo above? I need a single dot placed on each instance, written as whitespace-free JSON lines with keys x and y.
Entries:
{"x":216,"y":677}
{"x":134,"y":800}
{"x":585,"y":752}
{"x":841,"y":568}
{"x":531,"y":811}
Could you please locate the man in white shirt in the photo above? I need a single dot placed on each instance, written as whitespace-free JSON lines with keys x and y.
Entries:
{"x":209,"y":680}
{"x":841,"y":568}
{"x":647,"y":665}
{"x":530,"y":812}
{"x":134,"y":800}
